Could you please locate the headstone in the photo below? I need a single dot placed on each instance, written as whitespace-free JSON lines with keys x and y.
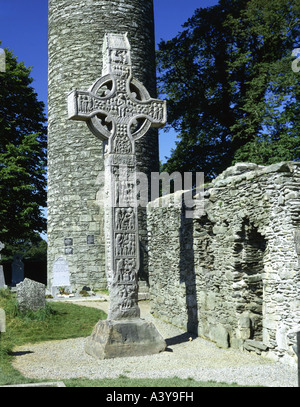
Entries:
{"x":2,"y":278}
{"x":31,"y":295}
{"x":119,"y":110}
{"x":17,"y":268}
{"x":60,"y":275}
{"x":2,"y":321}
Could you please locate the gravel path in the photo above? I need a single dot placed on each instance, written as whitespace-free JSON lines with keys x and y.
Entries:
{"x":199,"y":359}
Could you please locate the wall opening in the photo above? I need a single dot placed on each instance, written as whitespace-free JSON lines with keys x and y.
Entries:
{"x":250,"y":265}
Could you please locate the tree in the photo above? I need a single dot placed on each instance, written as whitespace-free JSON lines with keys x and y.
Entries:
{"x":232,"y":94}
{"x":33,"y":250}
{"x":22,"y":157}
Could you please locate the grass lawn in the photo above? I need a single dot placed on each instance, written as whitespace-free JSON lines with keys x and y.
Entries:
{"x":63,"y":321}
{"x":57,"y":321}
{"x":123,"y":381}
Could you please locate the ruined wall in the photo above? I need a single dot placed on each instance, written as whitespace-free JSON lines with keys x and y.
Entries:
{"x":232,"y":275}
{"x":75,"y":157}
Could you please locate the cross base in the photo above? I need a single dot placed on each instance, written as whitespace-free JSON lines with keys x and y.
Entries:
{"x":124,"y":338}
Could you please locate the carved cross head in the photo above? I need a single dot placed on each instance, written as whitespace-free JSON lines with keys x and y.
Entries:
{"x":117,"y":108}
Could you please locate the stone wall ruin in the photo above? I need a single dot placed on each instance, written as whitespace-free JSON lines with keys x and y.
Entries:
{"x":232,"y":275}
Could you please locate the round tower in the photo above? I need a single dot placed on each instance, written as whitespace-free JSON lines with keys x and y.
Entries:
{"x":75,"y":157}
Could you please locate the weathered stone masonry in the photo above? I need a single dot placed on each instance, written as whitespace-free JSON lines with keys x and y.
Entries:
{"x":75,"y":156}
{"x":232,"y":275}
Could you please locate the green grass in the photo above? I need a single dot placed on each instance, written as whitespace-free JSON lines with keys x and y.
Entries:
{"x":124,"y":381}
{"x":60,"y":320}
{"x":102,"y":291}
{"x":57,"y":321}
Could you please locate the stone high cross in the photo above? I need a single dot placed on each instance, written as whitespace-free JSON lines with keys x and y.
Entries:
{"x":117,"y":107}
{"x":118,"y":110}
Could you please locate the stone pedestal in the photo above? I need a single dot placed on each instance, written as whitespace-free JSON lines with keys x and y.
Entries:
{"x":124,"y":338}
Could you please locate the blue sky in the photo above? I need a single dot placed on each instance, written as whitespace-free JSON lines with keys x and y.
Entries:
{"x":24,"y":30}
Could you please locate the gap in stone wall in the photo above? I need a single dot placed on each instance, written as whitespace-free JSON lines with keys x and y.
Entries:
{"x":251,"y":266}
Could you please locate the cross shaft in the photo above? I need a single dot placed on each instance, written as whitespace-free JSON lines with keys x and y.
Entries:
{"x":118,"y":110}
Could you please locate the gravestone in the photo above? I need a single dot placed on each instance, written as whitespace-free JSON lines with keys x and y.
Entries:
{"x":60,"y":276}
{"x":31,"y":295}
{"x":17,"y":269}
{"x":2,"y":321}
{"x":118,"y":110}
{"x":2,"y":278}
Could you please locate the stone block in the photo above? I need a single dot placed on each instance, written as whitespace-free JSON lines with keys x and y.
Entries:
{"x":255,"y":346}
{"x":31,"y":295}
{"x":244,"y":324}
{"x":211,"y":301}
{"x":219,"y":335}
{"x":124,"y":338}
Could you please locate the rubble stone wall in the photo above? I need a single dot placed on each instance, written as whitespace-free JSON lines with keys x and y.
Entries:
{"x":232,"y":275}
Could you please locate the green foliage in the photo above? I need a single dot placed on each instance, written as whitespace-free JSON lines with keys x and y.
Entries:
{"x":232,"y":93}
{"x":33,"y":250}
{"x":22,"y":155}
{"x":84,"y":293}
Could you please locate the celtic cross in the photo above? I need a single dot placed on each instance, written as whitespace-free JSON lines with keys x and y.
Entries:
{"x":119,"y":110}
